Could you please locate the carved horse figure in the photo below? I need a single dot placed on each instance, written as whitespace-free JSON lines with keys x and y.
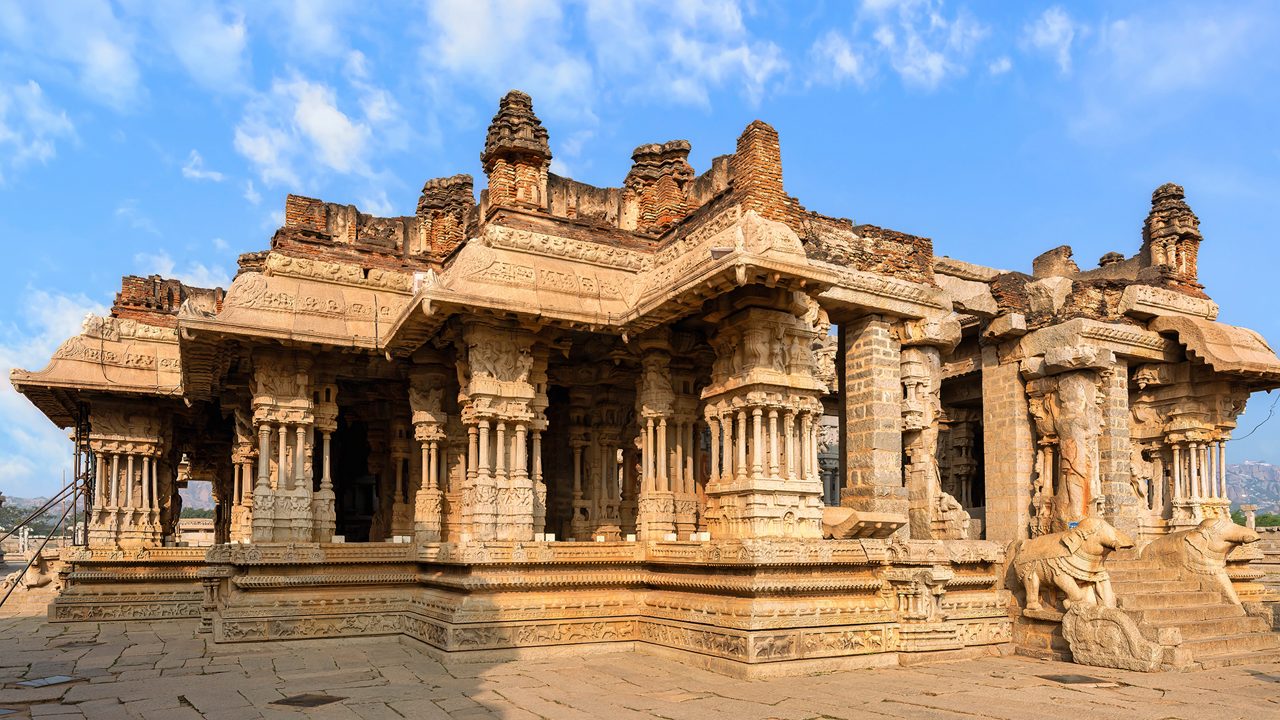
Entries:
{"x":1202,"y":550}
{"x":1071,"y":560}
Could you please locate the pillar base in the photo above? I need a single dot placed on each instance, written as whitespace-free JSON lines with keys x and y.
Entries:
{"x":764,"y":507}
{"x":656,"y":515}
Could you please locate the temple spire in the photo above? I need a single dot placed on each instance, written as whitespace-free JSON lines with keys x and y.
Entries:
{"x":516,"y":155}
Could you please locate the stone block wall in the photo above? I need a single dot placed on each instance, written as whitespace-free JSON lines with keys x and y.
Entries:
{"x":1008,"y":448}
{"x":756,"y":171}
{"x":155,"y":300}
{"x":873,"y":421}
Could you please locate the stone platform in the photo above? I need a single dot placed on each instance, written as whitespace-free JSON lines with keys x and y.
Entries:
{"x":166,"y":669}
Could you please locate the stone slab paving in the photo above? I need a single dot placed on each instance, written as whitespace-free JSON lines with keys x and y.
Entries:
{"x":167,"y":671}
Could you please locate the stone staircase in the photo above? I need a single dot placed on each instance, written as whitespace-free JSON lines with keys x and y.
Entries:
{"x":1215,"y":632}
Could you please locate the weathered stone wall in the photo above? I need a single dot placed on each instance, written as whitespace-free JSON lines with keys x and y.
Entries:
{"x":1008,"y":450}
{"x":155,"y":300}
{"x":873,"y":417}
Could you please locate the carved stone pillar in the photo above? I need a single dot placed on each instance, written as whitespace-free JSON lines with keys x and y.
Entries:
{"x":323,"y":505}
{"x":126,"y":438}
{"x":764,"y":369}
{"x":282,"y":400}
{"x":426,"y":400}
{"x":499,"y":397}
{"x":934,"y":514}
{"x":656,"y":508}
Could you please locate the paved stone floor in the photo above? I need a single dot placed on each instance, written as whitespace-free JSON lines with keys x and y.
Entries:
{"x":166,"y":671}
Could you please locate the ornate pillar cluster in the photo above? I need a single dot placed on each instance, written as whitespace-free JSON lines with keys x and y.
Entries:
{"x":282,"y":414}
{"x":128,"y":443}
{"x":404,"y":489}
{"x":243,"y":456}
{"x":655,"y":406}
{"x":933,"y":513}
{"x":764,"y":412}
{"x":426,"y":399}
{"x":1182,"y":417}
{"x":602,"y":503}
{"x":323,"y":505}
{"x":498,"y":410}
{"x":958,"y":465}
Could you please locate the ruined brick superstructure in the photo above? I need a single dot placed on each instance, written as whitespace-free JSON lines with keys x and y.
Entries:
{"x":685,"y":413}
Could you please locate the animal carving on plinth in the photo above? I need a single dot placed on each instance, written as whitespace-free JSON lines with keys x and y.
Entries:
{"x":1070,"y":560}
{"x":1202,"y":550}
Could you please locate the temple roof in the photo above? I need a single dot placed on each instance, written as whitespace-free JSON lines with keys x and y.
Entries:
{"x":1225,"y":348}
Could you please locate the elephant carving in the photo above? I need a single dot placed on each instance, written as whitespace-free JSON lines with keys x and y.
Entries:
{"x":1202,"y":550}
{"x":1070,"y":560}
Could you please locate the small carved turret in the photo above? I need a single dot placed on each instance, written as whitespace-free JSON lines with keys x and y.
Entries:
{"x":443,"y":211}
{"x":516,"y":155}
{"x":1171,"y":238}
{"x":656,"y":188}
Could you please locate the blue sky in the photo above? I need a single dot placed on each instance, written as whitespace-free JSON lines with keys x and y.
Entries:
{"x":161,"y":136}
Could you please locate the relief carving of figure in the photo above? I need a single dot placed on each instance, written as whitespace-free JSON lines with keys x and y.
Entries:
{"x":1070,"y":560}
{"x":1202,"y":551}
{"x":755,"y":346}
{"x":1077,"y":426}
{"x":781,"y":350}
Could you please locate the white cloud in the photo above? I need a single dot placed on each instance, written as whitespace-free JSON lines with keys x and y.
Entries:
{"x":128,"y":212}
{"x":208,"y":42}
{"x":298,"y":127}
{"x":313,"y":28}
{"x":195,"y":170}
{"x":193,"y":273}
{"x":220,"y":244}
{"x":681,"y":51}
{"x":834,"y":60}
{"x":1052,"y":32}
{"x":1172,"y":59}
{"x":377,"y":204}
{"x":29,"y":126}
{"x":1000,"y":65}
{"x":251,"y":194}
{"x":35,"y":452}
{"x":84,"y":35}
{"x":922,"y":44}
{"x":508,"y":43}
{"x":645,"y":49}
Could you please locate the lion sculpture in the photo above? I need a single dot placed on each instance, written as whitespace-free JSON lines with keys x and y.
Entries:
{"x":1071,"y":560}
{"x":1202,"y":550}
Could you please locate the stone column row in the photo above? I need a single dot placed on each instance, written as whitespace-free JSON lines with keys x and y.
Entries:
{"x":781,"y":444}
{"x":118,"y":474}
{"x":1199,"y":472}
{"x":290,"y":456}
{"x":498,"y":475}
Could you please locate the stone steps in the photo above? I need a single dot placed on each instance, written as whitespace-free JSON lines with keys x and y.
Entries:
{"x":1204,"y":648}
{"x":1172,"y":616}
{"x":1255,"y":657}
{"x":1184,"y":599}
{"x":1131,"y":575}
{"x":1144,"y":587}
{"x":1221,"y":627}
{"x":1215,"y":632}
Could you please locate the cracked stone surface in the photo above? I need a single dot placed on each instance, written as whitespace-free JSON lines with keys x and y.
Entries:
{"x":166,"y":670}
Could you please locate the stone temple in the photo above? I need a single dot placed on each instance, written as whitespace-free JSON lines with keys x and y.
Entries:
{"x":685,"y":415}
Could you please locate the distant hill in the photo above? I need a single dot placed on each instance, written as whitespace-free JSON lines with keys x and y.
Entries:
{"x":1257,"y":483}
